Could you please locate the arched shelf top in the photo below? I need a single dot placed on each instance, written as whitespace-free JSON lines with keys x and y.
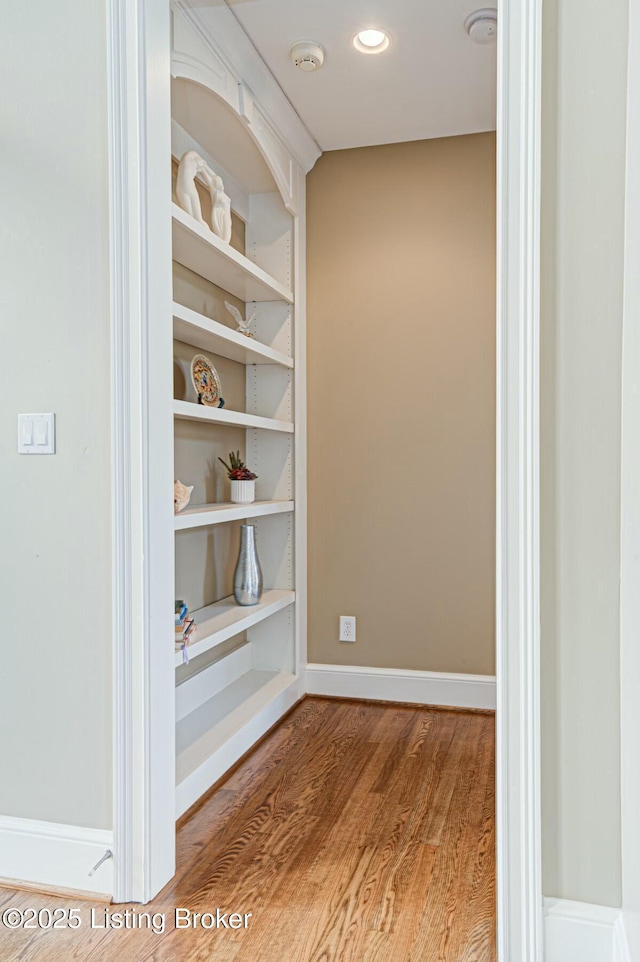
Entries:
{"x":243,"y":145}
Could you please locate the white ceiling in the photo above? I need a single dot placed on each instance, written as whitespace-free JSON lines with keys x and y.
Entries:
{"x":431,"y":82}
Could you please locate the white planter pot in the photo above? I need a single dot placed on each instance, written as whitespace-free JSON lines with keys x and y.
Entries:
{"x":243,"y":492}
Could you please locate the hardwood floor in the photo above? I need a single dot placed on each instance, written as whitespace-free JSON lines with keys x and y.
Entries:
{"x":355,"y":832}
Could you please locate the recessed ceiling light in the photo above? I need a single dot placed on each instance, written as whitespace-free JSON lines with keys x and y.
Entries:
{"x":371,"y":41}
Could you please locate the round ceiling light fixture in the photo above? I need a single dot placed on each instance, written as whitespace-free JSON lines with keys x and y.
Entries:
{"x":371,"y":41}
{"x":307,"y":55}
{"x":482,"y":26}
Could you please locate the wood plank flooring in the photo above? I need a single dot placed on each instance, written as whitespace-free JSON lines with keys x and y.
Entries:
{"x":356,"y":832}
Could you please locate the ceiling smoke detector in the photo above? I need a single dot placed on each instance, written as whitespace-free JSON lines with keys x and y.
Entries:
{"x":482,"y":26}
{"x":307,"y":55}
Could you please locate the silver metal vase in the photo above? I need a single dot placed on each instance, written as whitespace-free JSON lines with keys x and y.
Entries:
{"x":247,"y":580}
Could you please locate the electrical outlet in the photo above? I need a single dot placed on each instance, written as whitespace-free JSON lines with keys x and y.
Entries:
{"x":347,"y":628}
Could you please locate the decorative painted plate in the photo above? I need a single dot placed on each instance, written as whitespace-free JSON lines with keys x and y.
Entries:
{"x":206,"y":381}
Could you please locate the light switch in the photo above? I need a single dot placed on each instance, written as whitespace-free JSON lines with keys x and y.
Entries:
{"x":36,"y":434}
{"x":26,"y":435}
{"x":42,"y":432}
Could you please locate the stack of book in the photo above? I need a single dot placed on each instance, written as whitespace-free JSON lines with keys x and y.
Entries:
{"x":185,"y":629}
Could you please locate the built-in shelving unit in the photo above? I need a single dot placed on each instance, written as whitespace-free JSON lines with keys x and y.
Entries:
{"x":243,"y":667}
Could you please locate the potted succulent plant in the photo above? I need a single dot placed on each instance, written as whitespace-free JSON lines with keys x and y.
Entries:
{"x":243,"y":481}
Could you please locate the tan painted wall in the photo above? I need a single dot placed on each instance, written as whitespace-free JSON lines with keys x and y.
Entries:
{"x":584,"y":102}
{"x":55,"y":540}
{"x":401,"y":380}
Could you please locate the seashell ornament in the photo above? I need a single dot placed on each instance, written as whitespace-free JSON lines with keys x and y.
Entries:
{"x":181,"y":496}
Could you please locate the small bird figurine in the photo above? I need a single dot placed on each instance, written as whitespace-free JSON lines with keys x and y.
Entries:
{"x":243,"y":326}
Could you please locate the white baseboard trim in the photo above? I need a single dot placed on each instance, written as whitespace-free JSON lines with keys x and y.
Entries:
{"x":581,"y":932}
{"x":622,"y":951}
{"x":61,"y":856}
{"x":402,"y":685}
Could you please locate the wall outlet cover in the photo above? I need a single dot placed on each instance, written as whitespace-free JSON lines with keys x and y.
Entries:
{"x":347,"y":628}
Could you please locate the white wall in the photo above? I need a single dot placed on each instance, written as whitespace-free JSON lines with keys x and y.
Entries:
{"x":584,"y":79}
{"x":55,"y":674}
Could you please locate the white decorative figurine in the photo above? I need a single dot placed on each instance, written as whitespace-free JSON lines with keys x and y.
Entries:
{"x":220,"y":208}
{"x":243,"y":326}
{"x":191,"y":166}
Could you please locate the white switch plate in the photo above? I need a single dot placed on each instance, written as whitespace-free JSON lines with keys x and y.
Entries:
{"x":36,"y":434}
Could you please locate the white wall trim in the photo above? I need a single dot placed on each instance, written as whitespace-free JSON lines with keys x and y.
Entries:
{"x":621,"y":947}
{"x":122,"y":548}
{"x":224,"y":33}
{"x":519,"y":897}
{"x":142,"y":461}
{"x":51,"y":854}
{"x":580,"y":932}
{"x":199,"y":55}
{"x":630,"y":506}
{"x":402,"y":685}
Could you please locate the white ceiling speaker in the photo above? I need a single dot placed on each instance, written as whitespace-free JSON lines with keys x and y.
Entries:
{"x":482,"y":26}
{"x":307,"y":55}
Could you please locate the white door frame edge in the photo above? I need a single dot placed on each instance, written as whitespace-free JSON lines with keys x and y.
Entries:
{"x":520,"y":917}
{"x":630,"y":509}
{"x":142,"y":558}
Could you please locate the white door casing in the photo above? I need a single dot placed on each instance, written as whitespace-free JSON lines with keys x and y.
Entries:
{"x":518,"y":460}
{"x":630,"y":508}
{"x":142,"y":469}
{"x":143,"y":559}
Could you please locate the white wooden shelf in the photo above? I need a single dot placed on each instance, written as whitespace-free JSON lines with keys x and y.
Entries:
{"x":210,"y":335}
{"x":213,"y":737}
{"x":203,"y":515}
{"x":217,"y":623}
{"x":201,"y":733}
{"x":203,"y":252}
{"x":188,"y":411}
